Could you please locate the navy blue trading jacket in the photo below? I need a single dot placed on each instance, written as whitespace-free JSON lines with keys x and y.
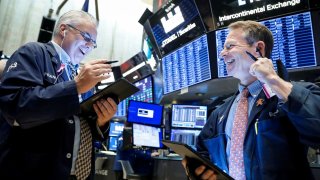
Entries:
{"x":276,"y":139}
{"x":37,"y":101}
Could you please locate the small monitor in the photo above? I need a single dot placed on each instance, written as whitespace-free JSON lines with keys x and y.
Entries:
{"x":116,"y":128}
{"x":147,"y":136}
{"x":188,"y":116}
{"x":112,"y":146}
{"x":146,"y":90}
{"x":187,"y":136}
{"x":144,"y":113}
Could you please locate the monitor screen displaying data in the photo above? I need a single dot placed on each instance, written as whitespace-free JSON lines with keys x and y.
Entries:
{"x":146,"y":90}
{"x":147,"y":136}
{"x":188,"y":116}
{"x":186,"y":66}
{"x":177,"y":23}
{"x":116,"y":128}
{"x":144,"y":113}
{"x":112,"y":145}
{"x":293,"y":42}
{"x":185,"y":136}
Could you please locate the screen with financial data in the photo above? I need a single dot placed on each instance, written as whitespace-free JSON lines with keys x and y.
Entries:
{"x":186,"y":66}
{"x":177,"y":23}
{"x":293,"y":42}
{"x":147,"y":136}
{"x":186,"y":136}
{"x":145,"y":95}
{"x":188,"y":116}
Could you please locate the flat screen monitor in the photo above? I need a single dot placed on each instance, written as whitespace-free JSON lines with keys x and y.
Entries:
{"x":293,"y":42}
{"x":116,"y":128}
{"x":188,"y":116}
{"x":121,"y":109}
{"x":187,"y":136}
{"x":177,"y":23}
{"x":146,"y":90}
{"x":186,"y":66}
{"x":147,"y":136}
{"x":144,"y":95}
{"x":144,"y":113}
{"x":112,"y":144}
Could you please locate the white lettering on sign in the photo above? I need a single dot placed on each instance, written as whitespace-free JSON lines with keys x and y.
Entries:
{"x":173,"y":20}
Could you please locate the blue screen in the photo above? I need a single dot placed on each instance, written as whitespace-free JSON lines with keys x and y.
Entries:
{"x":145,"y":95}
{"x":188,"y":116}
{"x":186,"y":66}
{"x":293,"y":42}
{"x":185,"y":136}
{"x":144,"y":113}
{"x":116,"y":128}
{"x":112,"y":143}
{"x":147,"y":136}
{"x":146,"y":90}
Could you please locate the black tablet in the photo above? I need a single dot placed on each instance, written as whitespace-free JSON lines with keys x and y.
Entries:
{"x":186,"y":151}
{"x":118,"y":91}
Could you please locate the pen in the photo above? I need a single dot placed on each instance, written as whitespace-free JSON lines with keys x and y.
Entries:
{"x":252,"y":56}
{"x":110,"y":62}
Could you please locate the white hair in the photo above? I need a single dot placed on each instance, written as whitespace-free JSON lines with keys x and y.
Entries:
{"x":74,"y":17}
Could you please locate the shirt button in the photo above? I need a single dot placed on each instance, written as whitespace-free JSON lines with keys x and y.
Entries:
{"x":68,"y":155}
{"x":70,"y":121}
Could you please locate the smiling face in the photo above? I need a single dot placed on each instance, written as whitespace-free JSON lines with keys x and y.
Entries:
{"x":237,"y":61}
{"x":74,"y":43}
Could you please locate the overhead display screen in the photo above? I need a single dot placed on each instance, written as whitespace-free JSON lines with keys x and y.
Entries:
{"x":293,"y":42}
{"x":186,"y":66}
{"x":177,"y":23}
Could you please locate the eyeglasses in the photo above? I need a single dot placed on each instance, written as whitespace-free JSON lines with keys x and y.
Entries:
{"x":86,"y":36}
{"x":230,"y":46}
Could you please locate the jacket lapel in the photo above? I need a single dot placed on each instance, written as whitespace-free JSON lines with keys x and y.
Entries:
{"x":258,"y":105}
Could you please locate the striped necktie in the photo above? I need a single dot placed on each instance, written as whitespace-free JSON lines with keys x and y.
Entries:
{"x":236,"y":162}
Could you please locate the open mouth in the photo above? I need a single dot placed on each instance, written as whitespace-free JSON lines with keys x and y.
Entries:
{"x":82,"y":50}
{"x":230,"y":61}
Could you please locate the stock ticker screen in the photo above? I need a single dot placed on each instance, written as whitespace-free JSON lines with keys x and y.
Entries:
{"x":293,"y":42}
{"x":188,"y":116}
{"x":145,"y":95}
{"x":186,"y":66}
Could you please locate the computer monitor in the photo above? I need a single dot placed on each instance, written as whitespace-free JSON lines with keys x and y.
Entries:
{"x":186,"y":66}
{"x":112,"y":144}
{"x":187,"y":136}
{"x":145,"y":95}
{"x":144,"y":113}
{"x":147,"y":136}
{"x":293,"y":42}
{"x":146,"y":90}
{"x":188,"y":116}
{"x":116,"y":128}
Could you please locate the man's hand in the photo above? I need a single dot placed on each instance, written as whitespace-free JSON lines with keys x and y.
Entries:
{"x":201,"y":172}
{"x":105,"y":109}
{"x":92,"y":73}
{"x":263,"y":69}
